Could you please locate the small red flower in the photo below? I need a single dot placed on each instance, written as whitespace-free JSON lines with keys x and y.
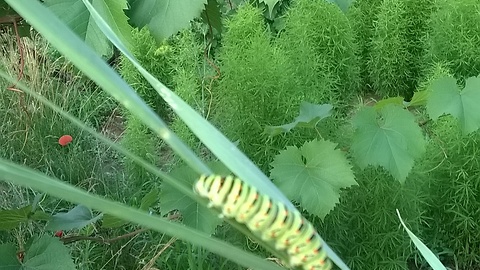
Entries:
{"x":64,"y":140}
{"x":59,"y":234}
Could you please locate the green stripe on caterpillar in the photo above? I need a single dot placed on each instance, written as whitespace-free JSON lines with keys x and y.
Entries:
{"x":281,"y":229}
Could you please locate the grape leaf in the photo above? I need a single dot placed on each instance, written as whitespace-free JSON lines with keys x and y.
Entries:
{"x":212,"y":15}
{"x":270,"y":4}
{"x":11,"y":218}
{"x":8,"y":257}
{"x":76,"y":16}
{"x":389,"y":138}
{"x":310,"y":115}
{"x":77,"y":218}
{"x":384,"y":102}
{"x":446,"y":98}
{"x":46,"y":252}
{"x":342,"y":4}
{"x":313,"y":175}
{"x":110,"y":221}
{"x":194,"y":215}
{"x":149,"y":199}
{"x":165,"y":17}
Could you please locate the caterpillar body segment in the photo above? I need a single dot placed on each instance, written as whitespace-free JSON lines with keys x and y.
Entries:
{"x":281,"y":229}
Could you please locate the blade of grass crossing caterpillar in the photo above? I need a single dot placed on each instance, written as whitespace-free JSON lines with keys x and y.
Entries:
{"x":225,"y":150}
{"x":24,"y":176}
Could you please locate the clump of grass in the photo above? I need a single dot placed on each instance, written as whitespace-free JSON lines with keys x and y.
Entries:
{"x":30,"y":130}
{"x":451,"y":171}
{"x":141,"y":142}
{"x":454,"y":36}
{"x":319,"y":43}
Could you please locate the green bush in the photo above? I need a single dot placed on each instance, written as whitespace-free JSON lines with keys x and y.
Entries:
{"x":418,"y":18}
{"x":320,"y":45}
{"x":362,"y":16}
{"x":454,"y":37}
{"x":255,"y":89}
{"x":154,"y":59}
{"x":186,"y":62}
{"x":364,"y":228}
{"x":389,"y":63}
{"x":452,"y":172}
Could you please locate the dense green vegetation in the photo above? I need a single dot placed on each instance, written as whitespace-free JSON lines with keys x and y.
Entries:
{"x":249,"y":79}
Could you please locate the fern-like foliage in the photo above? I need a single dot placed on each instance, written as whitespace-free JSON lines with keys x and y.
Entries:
{"x":389,"y":63}
{"x":450,"y":172}
{"x":362,"y":16}
{"x":256,"y":89}
{"x":154,"y":58}
{"x":364,"y":227}
{"x":186,"y":60}
{"x":454,"y":36}
{"x":320,"y":44}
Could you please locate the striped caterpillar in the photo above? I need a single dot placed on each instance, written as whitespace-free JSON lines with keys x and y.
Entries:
{"x":279,"y":228}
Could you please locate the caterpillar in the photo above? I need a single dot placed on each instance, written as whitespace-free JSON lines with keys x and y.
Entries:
{"x":281,"y":229}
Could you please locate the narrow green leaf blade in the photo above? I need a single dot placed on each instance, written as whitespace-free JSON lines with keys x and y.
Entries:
{"x":24,"y":176}
{"x":432,"y":260}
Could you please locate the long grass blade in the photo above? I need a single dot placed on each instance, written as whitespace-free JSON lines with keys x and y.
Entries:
{"x":432,"y":260}
{"x":24,"y":176}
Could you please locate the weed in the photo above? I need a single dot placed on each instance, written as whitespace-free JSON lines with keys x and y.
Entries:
{"x":319,"y":44}
{"x":454,"y":36}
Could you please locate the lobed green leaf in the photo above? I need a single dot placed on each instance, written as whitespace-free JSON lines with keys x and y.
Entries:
{"x":389,"y":138}
{"x":313,"y":175}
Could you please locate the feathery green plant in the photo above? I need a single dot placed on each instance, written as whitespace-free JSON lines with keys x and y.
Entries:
{"x":320,"y":46}
{"x":451,"y":171}
{"x":255,"y":89}
{"x":155,"y":59}
{"x":186,"y":62}
{"x":364,"y":226}
{"x":362,"y":16}
{"x":389,"y":63}
{"x":454,"y":36}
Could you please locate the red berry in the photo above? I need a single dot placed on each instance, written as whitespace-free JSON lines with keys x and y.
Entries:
{"x":64,"y":140}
